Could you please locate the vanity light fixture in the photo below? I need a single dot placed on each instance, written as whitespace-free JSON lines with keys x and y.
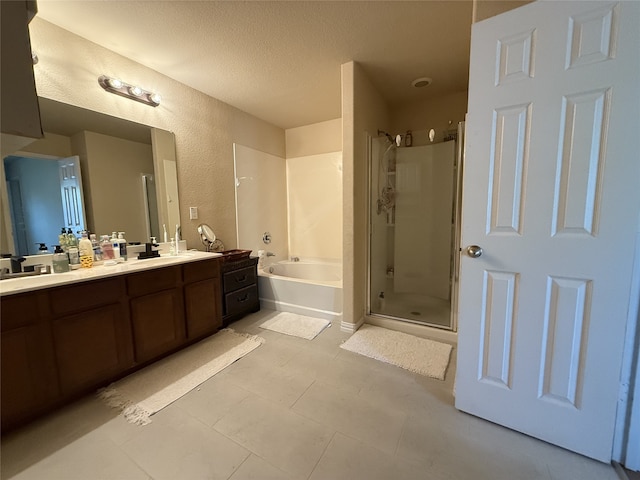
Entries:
{"x":117,"y":86}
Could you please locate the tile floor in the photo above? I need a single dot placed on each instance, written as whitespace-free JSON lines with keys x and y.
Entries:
{"x":292,"y":409}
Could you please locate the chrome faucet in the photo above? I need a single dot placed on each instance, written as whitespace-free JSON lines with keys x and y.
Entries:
{"x":295,"y":259}
{"x":271,"y":254}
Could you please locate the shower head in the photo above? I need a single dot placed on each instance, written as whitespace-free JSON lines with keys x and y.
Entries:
{"x":382,"y":132}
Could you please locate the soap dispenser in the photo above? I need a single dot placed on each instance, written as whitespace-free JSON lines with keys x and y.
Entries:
{"x":43,"y":250}
{"x":60,"y":260}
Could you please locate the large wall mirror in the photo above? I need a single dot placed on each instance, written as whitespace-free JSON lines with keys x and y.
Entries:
{"x":91,"y":171}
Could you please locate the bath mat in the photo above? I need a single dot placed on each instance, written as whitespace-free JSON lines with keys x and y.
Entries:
{"x":296,"y":325}
{"x":415,"y":354}
{"x":149,"y":390}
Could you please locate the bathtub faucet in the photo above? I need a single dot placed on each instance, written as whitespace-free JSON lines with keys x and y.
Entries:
{"x":271,"y":254}
{"x":295,"y":259}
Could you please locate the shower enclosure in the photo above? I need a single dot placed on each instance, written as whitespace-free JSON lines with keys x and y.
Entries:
{"x":414,"y":230}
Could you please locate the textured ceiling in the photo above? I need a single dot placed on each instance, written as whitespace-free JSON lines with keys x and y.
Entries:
{"x":280,"y":61}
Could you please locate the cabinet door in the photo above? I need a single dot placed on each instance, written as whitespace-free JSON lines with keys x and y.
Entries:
{"x":203,"y":307}
{"x":28,"y":375}
{"x":91,"y":347}
{"x":158,"y":324}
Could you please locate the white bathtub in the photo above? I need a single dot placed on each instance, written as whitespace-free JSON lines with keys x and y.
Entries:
{"x":305,"y":287}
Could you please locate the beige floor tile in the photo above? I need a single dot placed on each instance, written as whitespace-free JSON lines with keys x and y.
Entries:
{"x":177,"y":446}
{"x":354,"y":416}
{"x":255,"y":468}
{"x":454,"y":447}
{"x":268,"y":381}
{"x":285,"y":439}
{"x":351,"y":459}
{"x":89,"y":457}
{"x":51,"y":433}
{"x":212,"y":400}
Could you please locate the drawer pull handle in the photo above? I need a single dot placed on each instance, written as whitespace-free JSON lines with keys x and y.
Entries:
{"x":243,"y":299}
{"x":241,"y":279}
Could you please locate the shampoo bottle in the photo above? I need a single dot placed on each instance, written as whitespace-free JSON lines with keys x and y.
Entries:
{"x":60,"y":260}
{"x":86,"y":251}
{"x":43,"y":250}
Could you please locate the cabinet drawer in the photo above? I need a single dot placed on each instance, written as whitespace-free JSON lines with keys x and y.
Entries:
{"x":196,"y":271}
{"x":238,"y":279}
{"x":22,"y":309}
{"x":153,"y":281}
{"x":86,"y":295}
{"x":241,"y":300}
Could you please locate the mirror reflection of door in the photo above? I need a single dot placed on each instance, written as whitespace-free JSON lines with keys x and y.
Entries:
{"x":35,"y":190}
{"x":150,"y":205}
{"x":71,"y":192}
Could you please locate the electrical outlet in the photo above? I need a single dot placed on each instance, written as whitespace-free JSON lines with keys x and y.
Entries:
{"x":193,"y":213}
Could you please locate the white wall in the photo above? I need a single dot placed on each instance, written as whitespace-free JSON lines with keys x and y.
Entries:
{"x":261,"y":201}
{"x":314,"y":191}
{"x":297,"y":200}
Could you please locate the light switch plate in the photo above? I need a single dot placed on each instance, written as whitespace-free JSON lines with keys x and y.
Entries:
{"x":193,"y":213}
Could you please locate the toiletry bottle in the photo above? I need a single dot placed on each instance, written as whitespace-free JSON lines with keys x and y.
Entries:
{"x":166,"y":236}
{"x":381,"y":301}
{"x":72,"y":240}
{"x":43,"y":250}
{"x":172,"y":248}
{"x":116,"y":246}
{"x":123,"y":246}
{"x":408,"y":139}
{"x":95,"y":246}
{"x":106,"y":247}
{"x":177,"y":239}
{"x":86,"y":251}
{"x":62,"y":238}
{"x":60,"y":260}
{"x":74,"y":258}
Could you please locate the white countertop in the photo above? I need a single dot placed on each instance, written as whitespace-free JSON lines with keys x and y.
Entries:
{"x":37,"y":282}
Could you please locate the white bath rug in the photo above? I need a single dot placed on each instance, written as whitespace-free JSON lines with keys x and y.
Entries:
{"x":418,"y":355}
{"x":149,"y":390}
{"x":296,"y":325}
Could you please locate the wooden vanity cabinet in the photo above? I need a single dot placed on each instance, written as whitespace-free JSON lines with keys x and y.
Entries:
{"x":202,"y":295}
{"x":157,"y":312}
{"x":61,"y":342}
{"x":27,"y":360}
{"x":91,"y":334}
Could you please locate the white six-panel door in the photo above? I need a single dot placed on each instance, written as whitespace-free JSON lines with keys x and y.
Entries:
{"x":551,"y":193}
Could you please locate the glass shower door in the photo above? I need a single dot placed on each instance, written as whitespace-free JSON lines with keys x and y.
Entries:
{"x":412,"y":239}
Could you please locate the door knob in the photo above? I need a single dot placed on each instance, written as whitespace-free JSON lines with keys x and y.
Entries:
{"x":474,"y":251}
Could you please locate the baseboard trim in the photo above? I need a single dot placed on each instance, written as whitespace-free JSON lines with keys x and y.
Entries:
{"x":351,"y":327}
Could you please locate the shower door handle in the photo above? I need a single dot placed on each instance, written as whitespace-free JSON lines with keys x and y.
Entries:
{"x":474,"y":251}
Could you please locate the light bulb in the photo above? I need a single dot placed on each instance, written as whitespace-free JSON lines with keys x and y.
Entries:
{"x":135,"y":91}
{"x":114,"y":83}
{"x":155,"y":98}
